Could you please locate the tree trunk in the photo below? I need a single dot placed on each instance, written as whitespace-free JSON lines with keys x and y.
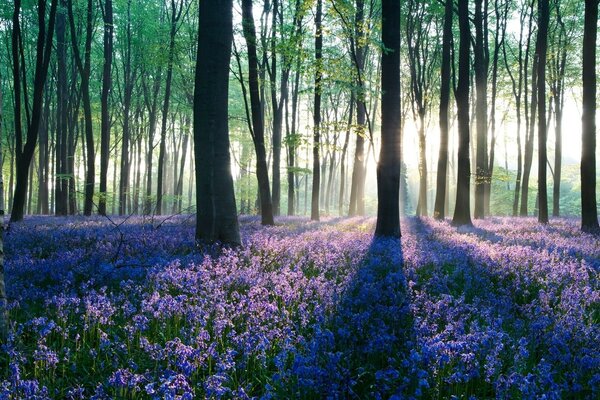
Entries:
{"x":442,"y":168}
{"x":61,"y":182}
{"x":316,"y":181}
{"x":107,"y":16}
{"x":388,"y":167}
{"x":24,"y":153}
{"x":128,"y":83}
{"x":216,"y":219}
{"x":357,"y":189}
{"x":175,"y":15}
{"x":84,"y":67}
{"x":480,"y":65}
{"x":530,"y":110}
{"x":589,"y":210}
{"x":258,"y":136}
{"x":541,"y":49}
{"x":462,"y":213}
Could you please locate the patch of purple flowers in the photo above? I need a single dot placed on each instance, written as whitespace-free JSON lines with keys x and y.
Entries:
{"x":505,"y":309}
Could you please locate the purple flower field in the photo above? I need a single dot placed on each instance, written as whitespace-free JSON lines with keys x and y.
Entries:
{"x":507,"y":309}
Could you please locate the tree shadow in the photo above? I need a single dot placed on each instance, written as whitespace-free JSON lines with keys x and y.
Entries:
{"x":351,"y":350}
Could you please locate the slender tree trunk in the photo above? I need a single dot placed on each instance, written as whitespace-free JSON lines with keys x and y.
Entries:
{"x":589,"y":210}
{"x":128,"y":83}
{"x":24,"y":152}
{"x":481,"y":62}
{"x":541,"y":50}
{"x":462,"y":213}
{"x":388,"y":167}
{"x":175,"y":15}
{"x":61,"y":182}
{"x":530,"y":119}
{"x":262,"y":171}
{"x":216,"y":219}
{"x":357,"y":189}
{"x":84,"y":67}
{"x":442,"y":167}
{"x":107,"y":16}
{"x":316,"y":182}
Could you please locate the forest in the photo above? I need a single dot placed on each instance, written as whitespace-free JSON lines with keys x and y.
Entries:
{"x":299,"y":199}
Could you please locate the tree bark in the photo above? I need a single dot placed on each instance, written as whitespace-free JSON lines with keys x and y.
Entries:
{"x":107,"y":16}
{"x":589,"y":210}
{"x":316,"y":181}
{"x":442,"y":167}
{"x":175,"y":15}
{"x":388,"y":167}
{"x":258,"y":136}
{"x":24,"y":152}
{"x":84,"y":67}
{"x":462,"y":213}
{"x":541,"y":50}
{"x":480,"y":65}
{"x":216,"y":219}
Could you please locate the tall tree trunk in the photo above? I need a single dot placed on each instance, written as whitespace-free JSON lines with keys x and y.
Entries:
{"x":388,"y":167}
{"x":530,"y":119}
{"x":480,"y":65}
{"x":357,"y":189}
{"x":128,"y":83}
{"x":589,"y":210}
{"x":258,"y":136}
{"x":61,"y":180}
{"x":541,"y":49}
{"x":24,"y":152}
{"x":277,"y":105}
{"x":84,"y":67}
{"x":316,"y":181}
{"x":462,"y":213}
{"x":216,"y":219}
{"x":517,"y":88}
{"x":442,"y":167}
{"x":107,"y":16}
{"x":175,"y":15}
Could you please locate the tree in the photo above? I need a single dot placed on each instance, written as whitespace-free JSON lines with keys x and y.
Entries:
{"x":530,"y":110}
{"x":175,"y":13}
{"x":422,"y":59}
{"x":442,"y":167}
{"x":589,"y":210}
{"x":61,"y":190}
{"x":316,"y":182}
{"x":517,"y":90}
{"x":541,"y":49}
{"x":24,"y":152}
{"x":84,"y":67}
{"x":388,"y":167}
{"x":107,"y":17}
{"x":462,"y":210}
{"x":258,"y":126}
{"x":215,"y":198}
{"x":358,"y":50}
{"x":481,"y":65}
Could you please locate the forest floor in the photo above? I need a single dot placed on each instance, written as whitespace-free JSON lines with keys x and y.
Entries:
{"x":128,"y":308}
